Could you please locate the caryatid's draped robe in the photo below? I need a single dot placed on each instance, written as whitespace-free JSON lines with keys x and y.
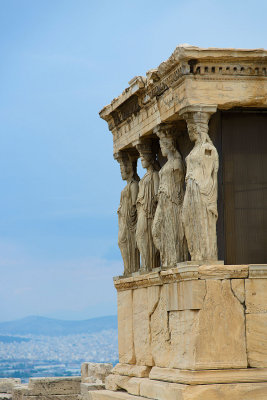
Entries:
{"x":146,"y":207}
{"x":168,"y":232}
{"x":200,"y":202}
{"x":127,"y":216}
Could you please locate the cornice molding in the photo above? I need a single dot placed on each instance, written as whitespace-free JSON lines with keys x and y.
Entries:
{"x":193,"y":61}
{"x":189,"y":271}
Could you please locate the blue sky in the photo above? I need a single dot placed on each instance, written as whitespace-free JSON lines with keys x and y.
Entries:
{"x":61,"y":62}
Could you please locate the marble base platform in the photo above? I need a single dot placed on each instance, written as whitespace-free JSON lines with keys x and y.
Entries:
{"x":172,"y":391}
{"x":174,"y":384}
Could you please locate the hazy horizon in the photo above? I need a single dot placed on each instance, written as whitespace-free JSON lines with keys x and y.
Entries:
{"x":57,"y":319}
{"x":60,"y":186}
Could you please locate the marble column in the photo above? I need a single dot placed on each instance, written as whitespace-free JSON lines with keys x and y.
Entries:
{"x":200,"y":202}
{"x":127,"y":212}
{"x":167,"y":230}
{"x":146,"y":206}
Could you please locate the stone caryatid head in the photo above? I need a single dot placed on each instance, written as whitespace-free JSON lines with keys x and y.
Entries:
{"x":197,"y":118}
{"x":147,"y":155}
{"x":128,"y":165}
{"x":167,"y":139}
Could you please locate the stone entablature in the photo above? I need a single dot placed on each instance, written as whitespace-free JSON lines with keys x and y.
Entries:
{"x":223,"y":77}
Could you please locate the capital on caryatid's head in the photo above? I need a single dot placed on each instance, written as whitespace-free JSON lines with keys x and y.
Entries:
{"x":199,"y":112}
{"x":165,"y":130}
{"x":143,"y":146}
{"x":197,"y":117}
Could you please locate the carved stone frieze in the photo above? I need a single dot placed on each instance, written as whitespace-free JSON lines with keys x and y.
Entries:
{"x":167,"y":81}
{"x":124,"y":111}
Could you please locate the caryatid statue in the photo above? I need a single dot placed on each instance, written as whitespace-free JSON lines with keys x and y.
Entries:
{"x":127,"y":213}
{"x":167,"y":230}
{"x":146,"y":207}
{"x":200,"y":203}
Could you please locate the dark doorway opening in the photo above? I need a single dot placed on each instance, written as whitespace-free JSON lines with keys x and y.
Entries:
{"x":241,"y":139}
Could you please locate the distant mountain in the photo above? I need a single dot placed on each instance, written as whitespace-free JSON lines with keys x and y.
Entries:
{"x":12,"y":339}
{"x":55,"y":327}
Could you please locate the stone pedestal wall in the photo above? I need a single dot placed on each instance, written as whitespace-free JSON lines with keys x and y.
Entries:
{"x":194,"y":317}
{"x":192,"y":332}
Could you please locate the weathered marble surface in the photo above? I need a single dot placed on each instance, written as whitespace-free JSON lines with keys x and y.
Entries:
{"x":256,"y":296}
{"x":139,"y":371}
{"x":182,"y":92}
{"x":92,"y":378}
{"x":146,"y":206}
{"x":95,"y":372}
{"x":215,"y":319}
{"x":56,"y":388}
{"x":200,"y":203}
{"x":118,"y":382}
{"x":7,"y":384}
{"x":204,"y":377}
{"x":185,"y":295}
{"x":168,"y":231}
{"x":125,"y":327}
{"x":141,"y":327}
{"x":223,"y":77}
{"x":127,"y":214}
{"x":198,"y":317}
{"x":256,"y":325}
{"x":158,"y":390}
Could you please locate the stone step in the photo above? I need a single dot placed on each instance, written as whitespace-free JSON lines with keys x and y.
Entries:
{"x":109,"y":395}
{"x":173,"y":391}
{"x":206,"y":377}
{"x":87,"y":387}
